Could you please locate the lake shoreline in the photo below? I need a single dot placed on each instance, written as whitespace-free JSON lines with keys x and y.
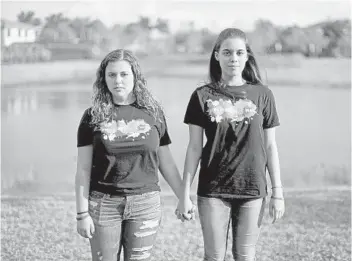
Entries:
{"x":89,"y":81}
{"x":84,"y":77}
{"x":275,"y":71}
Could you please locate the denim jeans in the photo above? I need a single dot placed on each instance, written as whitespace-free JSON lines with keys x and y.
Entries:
{"x":128,"y":222}
{"x":215,"y":215}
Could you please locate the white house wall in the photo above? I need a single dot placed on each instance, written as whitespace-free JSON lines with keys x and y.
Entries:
{"x":17,"y":36}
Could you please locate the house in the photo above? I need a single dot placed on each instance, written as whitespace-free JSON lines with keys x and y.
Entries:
{"x":17,"y":32}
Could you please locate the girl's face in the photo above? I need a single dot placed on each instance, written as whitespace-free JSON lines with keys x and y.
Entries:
{"x":232,"y":57}
{"x":119,"y":79}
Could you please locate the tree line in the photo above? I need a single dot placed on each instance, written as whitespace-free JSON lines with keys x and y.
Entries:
{"x":330,"y":38}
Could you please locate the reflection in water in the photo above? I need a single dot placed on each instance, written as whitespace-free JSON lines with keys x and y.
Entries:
{"x":17,"y":102}
{"x":38,"y":137}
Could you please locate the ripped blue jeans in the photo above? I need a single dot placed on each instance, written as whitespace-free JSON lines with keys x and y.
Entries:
{"x":124,"y":222}
{"x":246,"y":216}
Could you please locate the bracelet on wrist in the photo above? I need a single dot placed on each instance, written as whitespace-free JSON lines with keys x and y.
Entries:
{"x":80,"y":213}
{"x":82,"y":217}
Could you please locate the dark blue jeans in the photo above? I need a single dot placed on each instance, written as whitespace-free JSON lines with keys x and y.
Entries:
{"x":129,"y":222}
{"x":215,"y":216}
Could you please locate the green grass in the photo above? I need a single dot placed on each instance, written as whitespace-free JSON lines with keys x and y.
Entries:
{"x":316,"y":226}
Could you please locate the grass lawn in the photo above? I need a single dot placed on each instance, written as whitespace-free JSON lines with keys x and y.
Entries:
{"x":316,"y":226}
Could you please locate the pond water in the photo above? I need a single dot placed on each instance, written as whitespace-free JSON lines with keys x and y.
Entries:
{"x":39,"y":126}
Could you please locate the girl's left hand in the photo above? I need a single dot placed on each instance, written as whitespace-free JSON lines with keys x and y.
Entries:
{"x":185,"y":210}
{"x":276,"y":208}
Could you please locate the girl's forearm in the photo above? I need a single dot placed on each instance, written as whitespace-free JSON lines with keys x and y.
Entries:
{"x":191,"y":163}
{"x":169,"y":171}
{"x":274,"y":170}
{"x":82,"y":181}
{"x":173,"y":178}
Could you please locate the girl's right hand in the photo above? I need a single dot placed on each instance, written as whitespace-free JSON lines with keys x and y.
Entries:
{"x":85,"y":227}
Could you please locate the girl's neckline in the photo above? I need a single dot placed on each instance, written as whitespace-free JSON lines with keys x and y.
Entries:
{"x":125,"y":104}
{"x":236,"y":86}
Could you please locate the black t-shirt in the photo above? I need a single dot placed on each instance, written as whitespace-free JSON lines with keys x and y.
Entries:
{"x":233,"y":162}
{"x":125,"y":160}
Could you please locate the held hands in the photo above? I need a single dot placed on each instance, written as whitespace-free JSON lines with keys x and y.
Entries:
{"x":185,"y":210}
{"x":85,"y":225}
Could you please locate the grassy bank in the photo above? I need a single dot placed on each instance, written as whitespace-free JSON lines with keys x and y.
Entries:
{"x":316,"y":227}
{"x":276,"y":70}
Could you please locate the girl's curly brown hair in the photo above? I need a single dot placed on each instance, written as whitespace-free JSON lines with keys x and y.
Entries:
{"x":103,"y":106}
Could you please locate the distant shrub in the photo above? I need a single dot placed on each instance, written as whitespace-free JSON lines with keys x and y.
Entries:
{"x":25,"y":53}
{"x":66,"y":51}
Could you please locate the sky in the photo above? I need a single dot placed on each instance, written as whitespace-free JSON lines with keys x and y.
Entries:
{"x":214,"y":15}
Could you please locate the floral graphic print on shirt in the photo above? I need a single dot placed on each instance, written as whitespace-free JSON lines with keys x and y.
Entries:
{"x":227,"y":110}
{"x":121,"y":128}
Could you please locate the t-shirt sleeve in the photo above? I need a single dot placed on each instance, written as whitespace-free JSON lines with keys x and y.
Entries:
{"x":85,"y":130}
{"x":271,"y":118}
{"x":195,"y":112}
{"x":164,"y":137}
